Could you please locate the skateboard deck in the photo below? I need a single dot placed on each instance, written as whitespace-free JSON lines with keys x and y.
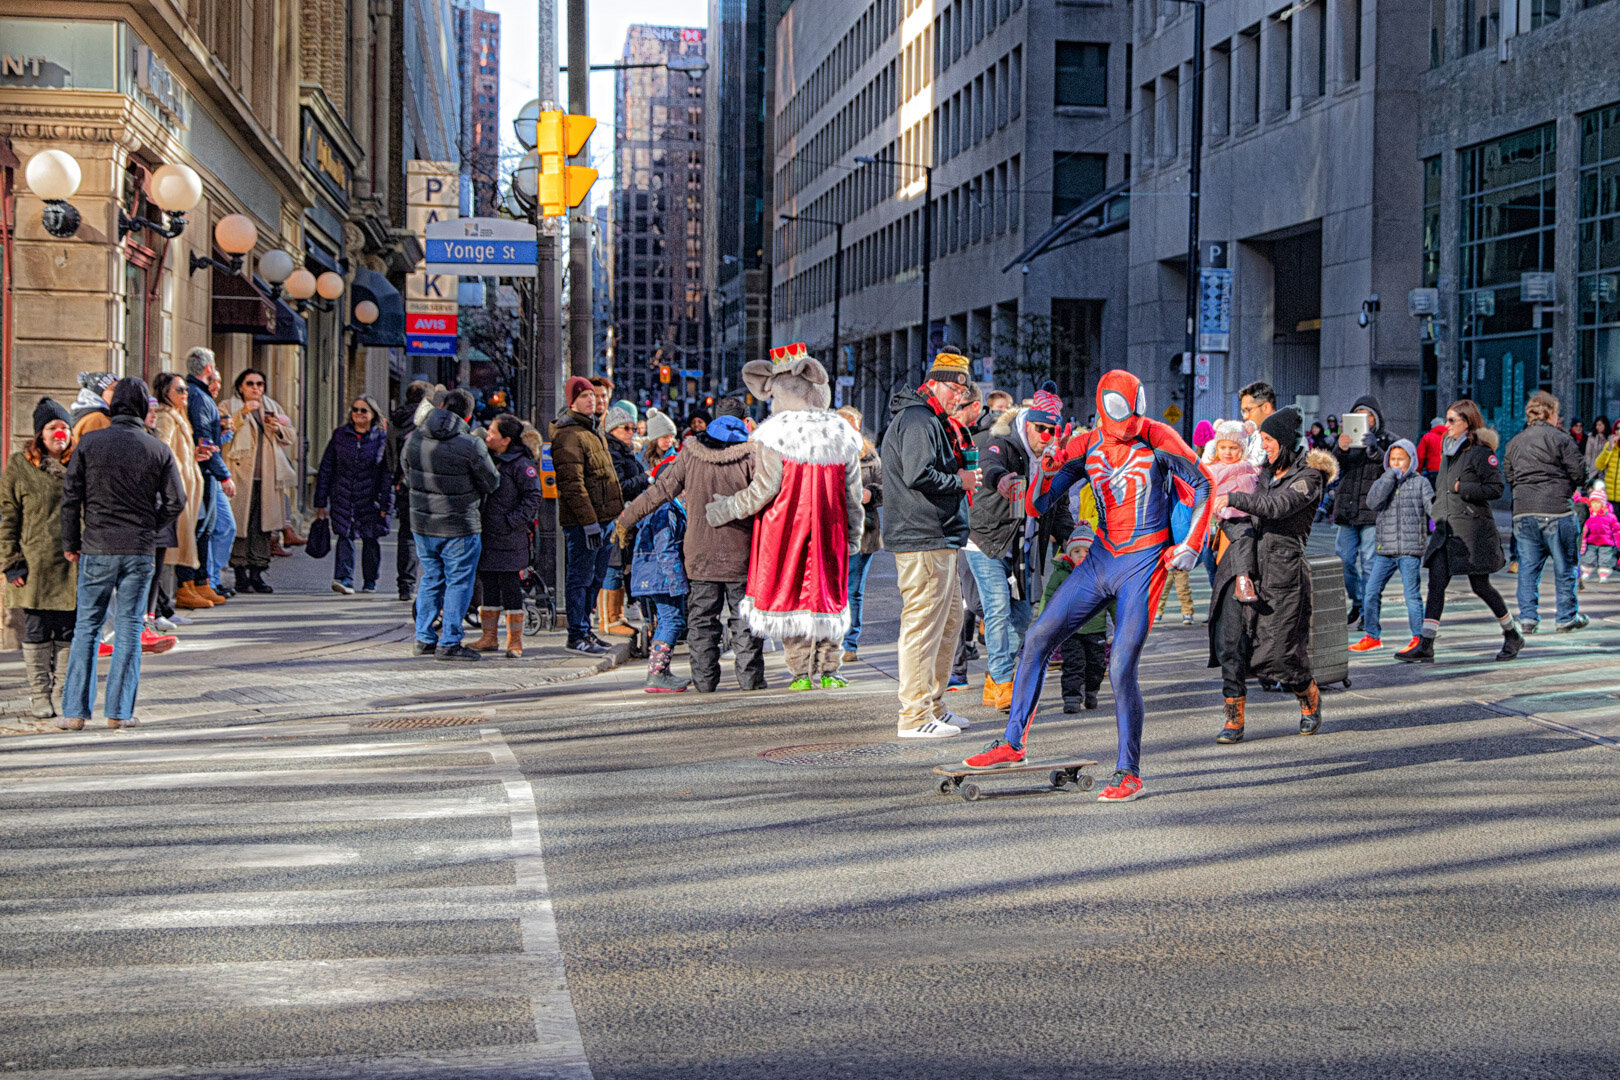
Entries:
{"x":1061,"y":773}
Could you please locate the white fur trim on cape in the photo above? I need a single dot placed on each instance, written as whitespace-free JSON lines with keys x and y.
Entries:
{"x":810,"y":437}
{"x":796,"y":624}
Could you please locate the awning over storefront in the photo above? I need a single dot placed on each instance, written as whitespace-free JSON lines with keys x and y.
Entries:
{"x":389,"y":329}
{"x":239,"y":308}
{"x":291,"y":328}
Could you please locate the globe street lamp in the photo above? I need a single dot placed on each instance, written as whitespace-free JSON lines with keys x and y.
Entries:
{"x":54,"y":176}
{"x":235,"y":234}
{"x":173,"y":188}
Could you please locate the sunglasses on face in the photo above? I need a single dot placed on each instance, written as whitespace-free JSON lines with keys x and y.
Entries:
{"x":1043,"y":429}
{"x":253,"y":382}
{"x":360,"y":409}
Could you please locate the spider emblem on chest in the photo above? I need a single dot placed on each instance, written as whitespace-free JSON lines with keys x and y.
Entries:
{"x":1124,"y":484}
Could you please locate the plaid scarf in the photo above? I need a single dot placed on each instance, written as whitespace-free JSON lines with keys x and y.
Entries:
{"x":960,"y":439}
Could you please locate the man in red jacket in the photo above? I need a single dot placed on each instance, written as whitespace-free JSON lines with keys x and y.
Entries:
{"x":1428,"y":448}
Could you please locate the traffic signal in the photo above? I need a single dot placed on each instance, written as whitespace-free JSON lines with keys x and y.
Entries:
{"x":664,"y":374}
{"x":558,"y":137}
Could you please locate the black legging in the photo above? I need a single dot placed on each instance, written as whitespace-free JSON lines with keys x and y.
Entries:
{"x":502,"y":589}
{"x":1440,"y":577}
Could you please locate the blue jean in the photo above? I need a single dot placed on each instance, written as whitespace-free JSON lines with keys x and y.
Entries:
{"x":223,"y":536}
{"x":1354,"y":546}
{"x":1005,"y":618}
{"x":343,"y":560}
{"x":586,"y":571}
{"x":1382,"y":568}
{"x":100,"y":578}
{"x":668,"y":614}
{"x":613,"y":579}
{"x":449,"y":571}
{"x":1539,"y":537}
{"x":859,"y":565}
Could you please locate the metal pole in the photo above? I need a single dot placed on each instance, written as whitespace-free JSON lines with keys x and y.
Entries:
{"x":581,"y":313}
{"x":838,"y":293}
{"x":927,"y":257}
{"x":1194,"y":179}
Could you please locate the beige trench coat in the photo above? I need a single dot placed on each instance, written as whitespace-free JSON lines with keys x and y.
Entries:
{"x":174,"y":429}
{"x":249,"y":454}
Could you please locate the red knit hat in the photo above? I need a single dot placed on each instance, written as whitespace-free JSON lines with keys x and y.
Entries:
{"x":574,"y":387}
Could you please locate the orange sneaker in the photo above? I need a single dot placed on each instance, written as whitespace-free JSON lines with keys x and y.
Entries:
{"x":1367,"y":644}
{"x":1126,"y":786}
{"x":994,"y":756}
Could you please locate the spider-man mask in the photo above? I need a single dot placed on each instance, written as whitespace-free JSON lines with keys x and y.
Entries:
{"x":1121,"y":406}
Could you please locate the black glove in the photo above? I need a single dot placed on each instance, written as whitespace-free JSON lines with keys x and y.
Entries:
{"x":593,"y":537}
{"x":17,"y":574}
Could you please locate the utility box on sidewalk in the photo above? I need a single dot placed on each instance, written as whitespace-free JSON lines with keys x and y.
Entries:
{"x":1330,"y":638}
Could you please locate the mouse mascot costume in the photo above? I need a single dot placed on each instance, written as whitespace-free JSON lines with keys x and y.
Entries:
{"x":1140,"y":471}
{"x":805,"y":499}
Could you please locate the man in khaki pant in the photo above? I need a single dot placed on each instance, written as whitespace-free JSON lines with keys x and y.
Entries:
{"x":925,"y":524}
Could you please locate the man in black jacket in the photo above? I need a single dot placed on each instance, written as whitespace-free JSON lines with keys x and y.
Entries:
{"x":449,"y":472}
{"x":925,"y":523}
{"x":1544,"y":469}
{"x":216,"y":525}
{"x":122,"y":489}
{"x":1360,"y":463}
{"x":400,"y":426}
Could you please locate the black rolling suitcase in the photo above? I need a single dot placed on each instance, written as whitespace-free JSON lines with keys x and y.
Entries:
{"x":1330,"y":637}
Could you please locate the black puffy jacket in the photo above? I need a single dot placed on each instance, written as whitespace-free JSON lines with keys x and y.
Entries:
{"x":449,"y":472}
{"x":1359,"y":467}
{"x":1470,"y":480}
{"x":510,"y":511}
{"x":122,"y":490}
{"x":924,"y":506}
{"x":1543,"y":467}
{"x":355,"y":483}
{"x":632,"y":474}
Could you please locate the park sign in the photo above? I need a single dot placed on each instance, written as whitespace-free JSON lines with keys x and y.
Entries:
{"x":481,"y":247}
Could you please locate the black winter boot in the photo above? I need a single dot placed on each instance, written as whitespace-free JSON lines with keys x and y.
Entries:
{"x":1420,"y":651}
{"x":1512,"y":642}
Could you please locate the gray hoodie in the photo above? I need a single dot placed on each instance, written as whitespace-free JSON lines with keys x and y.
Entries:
{"x":1402,"y":501}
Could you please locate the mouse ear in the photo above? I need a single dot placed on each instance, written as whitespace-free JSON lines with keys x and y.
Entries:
{"x":757,"y":375}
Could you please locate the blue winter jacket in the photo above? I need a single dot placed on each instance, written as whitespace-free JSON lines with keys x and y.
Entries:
{"x":656,"y":566}
{"x":204,"y":417}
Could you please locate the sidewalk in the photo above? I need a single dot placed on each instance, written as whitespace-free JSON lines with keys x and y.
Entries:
{"x":306,"y":651}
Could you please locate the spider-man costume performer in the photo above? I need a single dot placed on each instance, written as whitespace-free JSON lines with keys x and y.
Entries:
{"x":1137,"y":468}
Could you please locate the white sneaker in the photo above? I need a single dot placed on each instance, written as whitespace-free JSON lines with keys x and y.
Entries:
{"x":961,"y":723}
{"x":181,"y":620}
{"x":339,"y":587}
{"x":934,"y":729}
{"x":164,"y":626}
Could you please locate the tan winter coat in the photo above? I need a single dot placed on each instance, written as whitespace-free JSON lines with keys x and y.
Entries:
{"x":174,"y":431}
{"x":250,"y":455}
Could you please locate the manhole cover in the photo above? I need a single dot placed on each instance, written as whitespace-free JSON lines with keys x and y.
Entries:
{"x":832,"y":755}
{"x":410,"y":723}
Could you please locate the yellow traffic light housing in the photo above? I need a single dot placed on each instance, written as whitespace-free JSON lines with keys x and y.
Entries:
{"x":664,"y":374}
{"x":558,"y":137}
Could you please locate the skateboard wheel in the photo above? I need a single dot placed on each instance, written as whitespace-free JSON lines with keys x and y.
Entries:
{"x":970,"y":792}
{"x":1058,"y":778}
{"x":1084,"y":782}
{"x":945,"y":787}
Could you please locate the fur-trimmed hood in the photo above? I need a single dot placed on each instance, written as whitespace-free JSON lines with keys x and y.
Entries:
{"x":1004,"y":422}
{"x":1488,"y":437}
{"x":810,"y":437}
{"x":1323,"y":462}
{"x":726,"y":455}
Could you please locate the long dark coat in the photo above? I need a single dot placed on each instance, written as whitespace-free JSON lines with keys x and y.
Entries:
{"x":1282,"y":507}
{"x":354,"y":483}
{"x":1463,"y":522}
{"x":510,"y":511}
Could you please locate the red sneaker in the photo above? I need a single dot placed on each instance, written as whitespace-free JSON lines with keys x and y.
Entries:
{"x":157,"y":643}
{"x":1367,"y":644}
{"x":994,"y":756}
{"x":1126,"y":786}
{"x":104,"y":649}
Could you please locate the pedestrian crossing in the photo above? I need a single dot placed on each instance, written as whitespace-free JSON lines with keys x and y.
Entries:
{"x":287,"y":902}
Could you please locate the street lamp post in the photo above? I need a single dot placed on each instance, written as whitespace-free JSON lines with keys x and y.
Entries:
{"x":927,"y":235}
{"x":838,"y":274}
{"x":1194,"y":180}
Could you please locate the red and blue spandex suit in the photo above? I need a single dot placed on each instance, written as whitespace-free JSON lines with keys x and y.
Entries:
{"x":1133,"y":465}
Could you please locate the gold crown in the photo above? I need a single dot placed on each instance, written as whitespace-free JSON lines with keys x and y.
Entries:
{"x":788,"y":354}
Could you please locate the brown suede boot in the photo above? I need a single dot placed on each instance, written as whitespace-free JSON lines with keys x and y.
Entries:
{"x":1310,"y":709}
{"x":613,"y":614}
{"x":989,"y":699}
{"x":1233,"y":731}
{"x":187,"y":596}
{"x":514,"y":633}
{"x":489,"y":619}
{"x":1004,"y":692}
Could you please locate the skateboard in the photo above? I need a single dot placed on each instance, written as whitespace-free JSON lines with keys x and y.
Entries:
{"x":963,"y":781}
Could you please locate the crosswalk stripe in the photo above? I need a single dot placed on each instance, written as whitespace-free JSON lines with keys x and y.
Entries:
{"x":358,"y":808}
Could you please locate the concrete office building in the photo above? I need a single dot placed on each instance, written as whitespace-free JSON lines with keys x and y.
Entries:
{"x":478,"y":50}
{"x":1020,"y":109}
{"x":1311,"y":183}
{"x":737,"y":175}
{"x":1520,"y":148}
{"x":658,"y":219}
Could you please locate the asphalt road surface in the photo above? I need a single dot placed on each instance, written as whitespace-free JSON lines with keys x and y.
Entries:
{"x":582,"y":879}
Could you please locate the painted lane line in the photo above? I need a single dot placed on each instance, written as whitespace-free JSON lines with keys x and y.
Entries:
{"x":359,"y":808}
{"x":206,"y":855}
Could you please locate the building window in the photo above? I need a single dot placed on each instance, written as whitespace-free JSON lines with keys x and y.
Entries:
{"x":1437,"y":32}
{"x":1508,"y":190}
{"x":1597,"y":292}
{"x":1081,"y":77}
{"x":1076,"y":179}
{"x":1482,"y":22}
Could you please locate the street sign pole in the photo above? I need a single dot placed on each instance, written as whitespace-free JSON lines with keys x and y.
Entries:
{"x":581,"y":309}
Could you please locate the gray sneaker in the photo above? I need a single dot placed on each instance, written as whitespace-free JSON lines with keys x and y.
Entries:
{"x":1579,"y":622}
{"x":458,"y":651}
